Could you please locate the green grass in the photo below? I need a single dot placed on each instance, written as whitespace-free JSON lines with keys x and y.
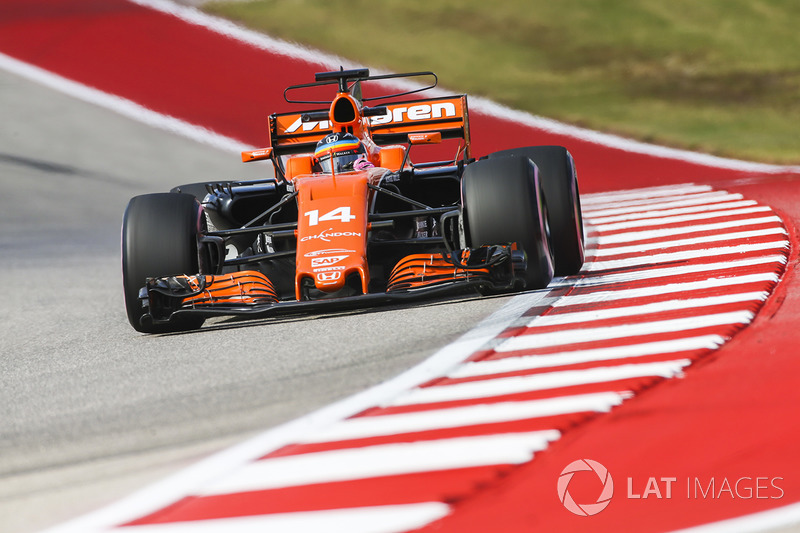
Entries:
{"x":719,"y":76}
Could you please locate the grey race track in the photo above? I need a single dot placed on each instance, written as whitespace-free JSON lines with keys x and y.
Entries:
{"x":90,"y":410}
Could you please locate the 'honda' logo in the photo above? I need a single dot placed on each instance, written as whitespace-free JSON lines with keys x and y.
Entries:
{"x":328,"y":277}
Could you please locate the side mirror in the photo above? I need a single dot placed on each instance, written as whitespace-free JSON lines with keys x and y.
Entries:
{"x":434,"y":137}
{"x":257,"y":155}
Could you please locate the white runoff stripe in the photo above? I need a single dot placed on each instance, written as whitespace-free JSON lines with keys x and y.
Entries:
{"x":672,"y":288}
{"x":374,"y":519}
{"x":551,"y":380}
{"x":624,"y":331}
{"x":634,"y":236}
{"x":383,"y":460}
{"x":533,"y":362}
{"x":635,"y":195}
{"x":677,"y":219}
{"x":652,"y":213}
{"x":583,"y":317}
{"x":705,"y":239}
{"x":667,"y":272}
{"x":643,"y":205}
{"x":652,"y":260}
{"x":374,"y":426}
{"x":711,"y":199}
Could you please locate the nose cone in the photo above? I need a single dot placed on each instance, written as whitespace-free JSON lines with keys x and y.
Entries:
{"x":331,"y":232}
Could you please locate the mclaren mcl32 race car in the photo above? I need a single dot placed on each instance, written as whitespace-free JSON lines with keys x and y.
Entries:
{"x":350,"y":218}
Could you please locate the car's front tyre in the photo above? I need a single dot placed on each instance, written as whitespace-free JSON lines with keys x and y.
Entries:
{"x":159,"y":238}
{"x":559,"y":182}
{"x":503,"y":203}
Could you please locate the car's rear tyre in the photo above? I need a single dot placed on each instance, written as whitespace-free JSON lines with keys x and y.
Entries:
{"x":159,"y":238}
{"x":503,"y":203}
{"x":560,"y":184}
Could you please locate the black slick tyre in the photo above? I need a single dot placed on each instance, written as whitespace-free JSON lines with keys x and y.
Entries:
{"x":159,"y":238}
{"x":560,"y":185}
{"x":503,"y":203}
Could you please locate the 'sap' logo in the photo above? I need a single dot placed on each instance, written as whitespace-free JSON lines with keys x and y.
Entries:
{"x":326,"y":261}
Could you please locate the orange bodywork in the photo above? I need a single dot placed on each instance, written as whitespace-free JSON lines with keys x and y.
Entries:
{"x":332,"y":228}
{"x":333,"y":209}
{"x":446,"y":115}
{"x":424,"y":270}
{"x":247,"y":287}
{"x":297,"y":166}
{"x":344,"y":198}
{"x":392,"y":157}
{"x":256,"y":155}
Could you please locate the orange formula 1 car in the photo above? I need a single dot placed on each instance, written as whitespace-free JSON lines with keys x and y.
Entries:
{"x":349,"y":220}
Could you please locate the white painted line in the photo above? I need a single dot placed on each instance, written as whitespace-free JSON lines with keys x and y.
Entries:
{"x":725,"y":237}
{"x":375,"y":426}
{"x":375,"y":519}
{"x":621,"y":208}
{"x":253,"y":38}
{"x":683,"y":230}
{"x":654,"y":273}
{"x":657,"y":213}
{"x":672,"y":257}
{"x":633,"y":195}
{"x":472,"y":390}
{"x":495,"y":110}
{"x":678,"y":219}
{"x":583,"y":317}
{"x":625,"y":331}
{"x":534,"y":362}
{"x":383,"y":460}
{"x":625,"y":294}
{"x":780,"y":519}
{"x":122,"y":106}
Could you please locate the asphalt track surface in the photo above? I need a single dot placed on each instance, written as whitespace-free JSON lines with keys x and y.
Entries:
{"x":93,"y":410}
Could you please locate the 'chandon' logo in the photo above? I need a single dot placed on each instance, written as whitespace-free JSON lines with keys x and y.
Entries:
{"x":328,"y":234}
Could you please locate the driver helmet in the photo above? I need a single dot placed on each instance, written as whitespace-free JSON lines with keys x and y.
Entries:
{"x":338,"y":151}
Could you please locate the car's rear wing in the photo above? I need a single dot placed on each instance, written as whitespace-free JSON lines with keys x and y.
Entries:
{"x":290,"y":134}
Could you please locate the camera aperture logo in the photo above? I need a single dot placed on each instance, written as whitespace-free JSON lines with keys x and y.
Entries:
{"x":585,"y":509}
